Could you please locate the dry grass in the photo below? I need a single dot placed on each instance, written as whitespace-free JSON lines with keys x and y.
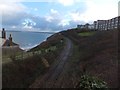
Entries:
{"x":22,"y":73}
{"x":95,"y":55}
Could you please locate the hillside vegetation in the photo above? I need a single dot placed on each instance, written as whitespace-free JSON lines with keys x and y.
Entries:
{"x":22,"y":73}
{"x":94,"y":53}
{"x":93,"y":57}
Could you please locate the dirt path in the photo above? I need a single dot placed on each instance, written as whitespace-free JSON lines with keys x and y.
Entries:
{"x":50,"y":78}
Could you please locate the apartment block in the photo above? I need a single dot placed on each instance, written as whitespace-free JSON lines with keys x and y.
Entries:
{"x":110,"y":24}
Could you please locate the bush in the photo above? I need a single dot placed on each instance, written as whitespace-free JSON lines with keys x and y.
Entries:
{"x":12,"y":57}
{"x":90,"y":83}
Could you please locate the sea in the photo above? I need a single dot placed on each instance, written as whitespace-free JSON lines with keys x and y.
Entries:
{"x":28,"y":40}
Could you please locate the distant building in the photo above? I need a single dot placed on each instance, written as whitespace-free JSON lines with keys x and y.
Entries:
{"x":91,"y":26}
{"x":95,"y":25}
{"x":86,"y":26}
{"x":110,"y":24}
{"x":7,"y":42}
{"x":80,"y":26}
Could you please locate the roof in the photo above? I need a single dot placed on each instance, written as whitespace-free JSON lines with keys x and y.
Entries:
{"x":6,"y":42}
{"x":2,"y":41}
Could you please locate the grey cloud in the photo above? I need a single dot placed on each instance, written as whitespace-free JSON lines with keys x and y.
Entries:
{"x":41,"y":22}
{"x":14,"y":19}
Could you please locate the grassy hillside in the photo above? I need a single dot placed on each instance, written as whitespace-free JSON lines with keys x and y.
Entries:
{"x":94,"y":53}
{"x":22,"y":73}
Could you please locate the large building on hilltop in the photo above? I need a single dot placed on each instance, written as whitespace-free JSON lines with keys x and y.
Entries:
{"x":110,"y":24}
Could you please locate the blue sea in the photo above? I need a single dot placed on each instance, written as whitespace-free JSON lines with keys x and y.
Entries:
{"x":28,"y":40}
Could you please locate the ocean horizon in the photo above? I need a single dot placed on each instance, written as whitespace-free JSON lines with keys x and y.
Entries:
{"x":27,"y":40}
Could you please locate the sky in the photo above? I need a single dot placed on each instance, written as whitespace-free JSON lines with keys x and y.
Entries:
{"x":54,"y":15}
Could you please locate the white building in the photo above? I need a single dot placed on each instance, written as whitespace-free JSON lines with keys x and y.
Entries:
{"x":86,"y":26}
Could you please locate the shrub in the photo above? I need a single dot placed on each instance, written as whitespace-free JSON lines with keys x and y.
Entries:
{"x":90,"y":83}
{"x":12,"y":57}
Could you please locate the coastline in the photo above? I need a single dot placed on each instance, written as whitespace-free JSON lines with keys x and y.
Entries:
{"x":33,"y":46}
{"x":14,"y":51}
{"x":97,"y":49}
{"x":28,"y":40}
{"x":28,"y":48}
{"x":32,"y":64}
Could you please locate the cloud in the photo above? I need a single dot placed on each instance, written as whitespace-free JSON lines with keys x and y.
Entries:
{"x":69,"y":2}
{"x":15,"y":14}
{"x":53,"y":15}
{"x":10,"y":7}
{"x":11,"y":12}
{"x":119,"y":8}
{"x":54,"y":11}
{"x":28,"y":23}
{"x":35,"y":9}
{"x":75,"y":16}
{"x":66,"y":2}
{"x":43,"y":24}
{"x":64,"y":22}
{"x":99,"y":10}
{"x":6,"y":1}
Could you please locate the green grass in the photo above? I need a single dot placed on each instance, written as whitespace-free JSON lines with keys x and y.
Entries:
{"x":91,"y":83}
{"x":86,"y":33}
{"x":23,"y":55}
